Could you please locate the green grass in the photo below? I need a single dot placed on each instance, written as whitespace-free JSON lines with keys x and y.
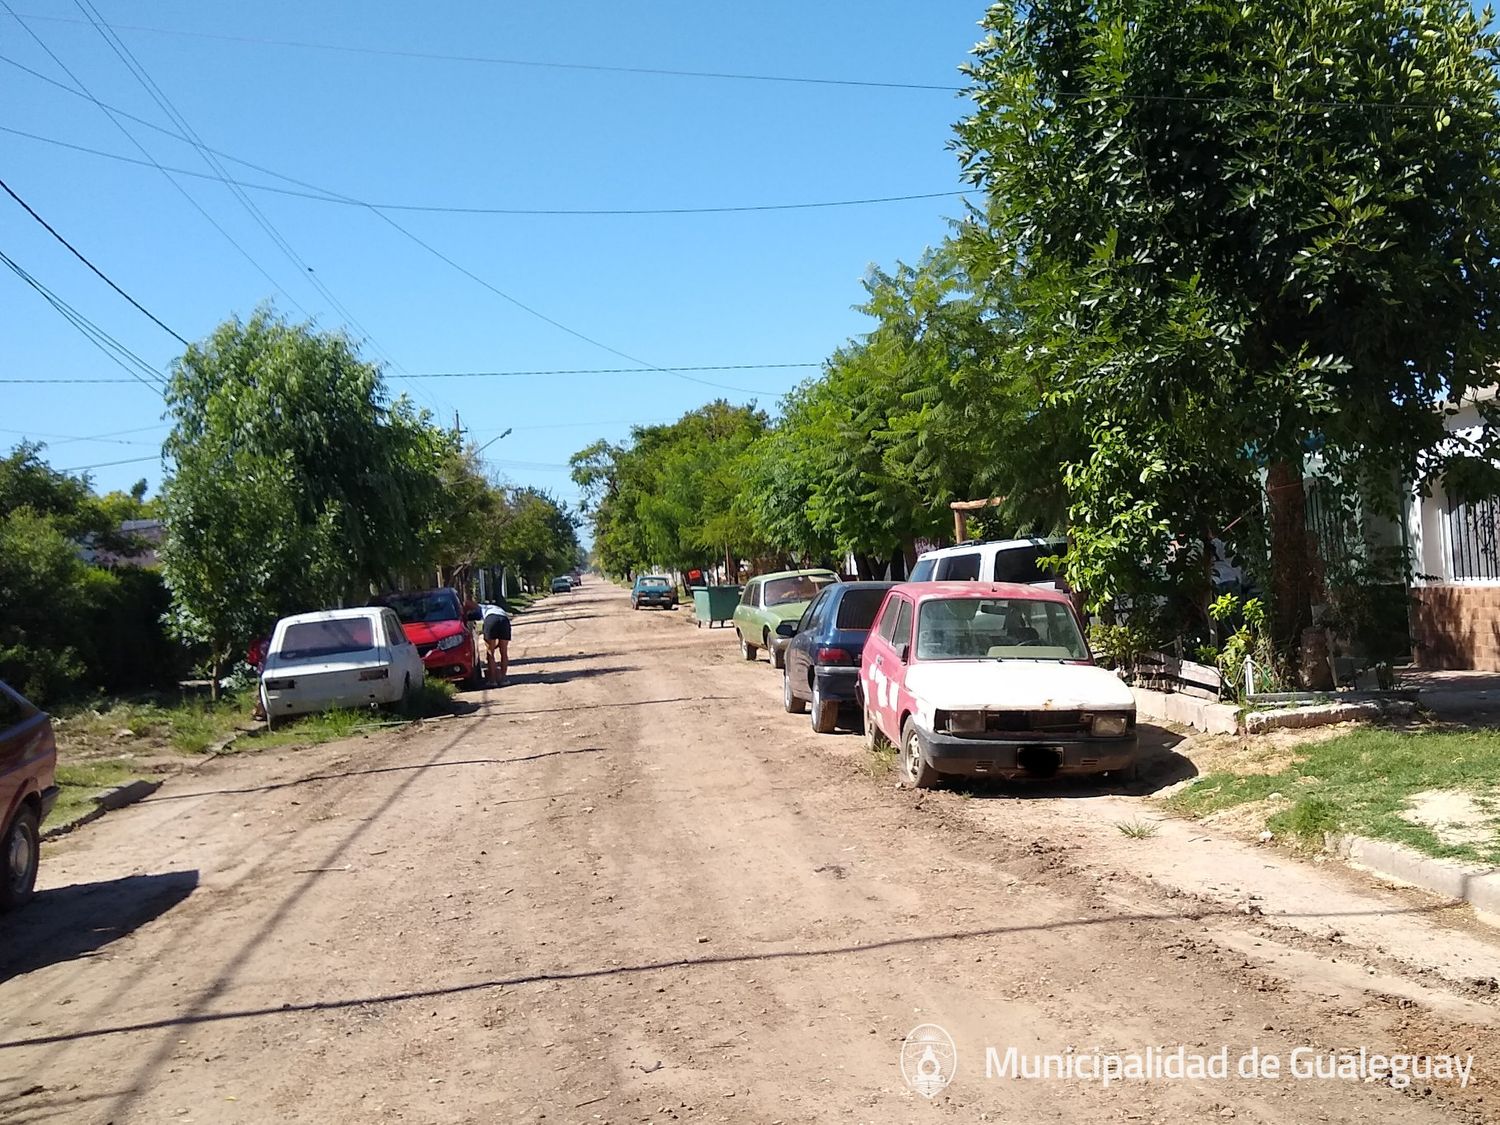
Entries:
{"x":187,"y":726}
{"x":80,"y":782}
{"x":1137,"y":829}
{"x":1361,"y":783}
{"x":881,"y":762}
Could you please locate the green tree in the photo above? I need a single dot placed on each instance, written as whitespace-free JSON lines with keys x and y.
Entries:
{"x":296,"y":484}
{"x":1242,"y":231}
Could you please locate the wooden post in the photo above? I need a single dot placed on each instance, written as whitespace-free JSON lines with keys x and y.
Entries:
{"x":959,"y":507}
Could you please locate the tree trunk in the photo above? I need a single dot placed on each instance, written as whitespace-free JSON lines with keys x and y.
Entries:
{"x":216,"y":665}
{"x":1291,"y":569}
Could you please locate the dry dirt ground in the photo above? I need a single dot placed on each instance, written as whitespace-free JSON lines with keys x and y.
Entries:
{"x":628,"y":888}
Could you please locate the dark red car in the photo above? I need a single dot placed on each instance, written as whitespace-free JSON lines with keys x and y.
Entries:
{"x":436,"y":622}
{"x":28,"y":789}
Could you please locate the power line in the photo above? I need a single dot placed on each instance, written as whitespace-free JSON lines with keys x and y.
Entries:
{"x":518,"y":373}
{"x":166,"y":105}
{"x":431,"y":56}
{"x":608,"y":370}
{"x":65,"y":439}
{"x":116,"y":351}
{"x":449,"y":209}
{"x":78,"y":254}
{"x":114,"y":118}
{"x":496,"y":290}
{"x":110,"y":464}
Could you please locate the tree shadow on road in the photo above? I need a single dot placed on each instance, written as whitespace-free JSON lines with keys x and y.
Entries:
{"x":70,"y":922}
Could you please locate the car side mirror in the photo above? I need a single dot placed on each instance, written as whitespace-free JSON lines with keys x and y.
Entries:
{"x":786,"y":629}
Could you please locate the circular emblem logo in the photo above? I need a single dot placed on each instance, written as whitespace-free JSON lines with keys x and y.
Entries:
{"x":929,"y":1060}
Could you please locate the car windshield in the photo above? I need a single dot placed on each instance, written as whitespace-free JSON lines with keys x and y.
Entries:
{"x":310,"y":640}
{"x":857,"y":609}
{"x":798,"y":588}
{"x":653,"y":583}
{"x":998,"y":629}
{"x":431,"y":605}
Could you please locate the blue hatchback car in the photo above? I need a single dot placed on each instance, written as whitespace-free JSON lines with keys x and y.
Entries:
{"x":822,"y":658}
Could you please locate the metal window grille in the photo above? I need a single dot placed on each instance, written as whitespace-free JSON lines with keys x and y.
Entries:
{"x":1474,"y":539}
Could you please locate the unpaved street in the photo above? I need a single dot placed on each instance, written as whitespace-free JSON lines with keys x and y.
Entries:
{"x":628,"y":888}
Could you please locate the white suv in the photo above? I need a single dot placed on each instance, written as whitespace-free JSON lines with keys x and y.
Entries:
{"x":1004,"y":560}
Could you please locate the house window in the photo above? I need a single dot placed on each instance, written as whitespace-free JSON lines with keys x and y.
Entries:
{"x":1474,"y":539}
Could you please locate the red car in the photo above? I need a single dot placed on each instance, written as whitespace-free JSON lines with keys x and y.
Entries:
{"x":28,"y":789}
{"x":435,"y":621}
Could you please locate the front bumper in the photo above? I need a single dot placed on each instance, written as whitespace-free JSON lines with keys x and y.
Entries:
{"x":837,"y":683}
{"x":452,"y":664}
{"x":664,"y":600}
{"x":1027,"y":756}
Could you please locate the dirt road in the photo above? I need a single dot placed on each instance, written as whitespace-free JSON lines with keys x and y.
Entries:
{"x":628,"y":888}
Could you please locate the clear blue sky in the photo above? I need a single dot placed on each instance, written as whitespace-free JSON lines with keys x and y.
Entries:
{"x":744,"y":288}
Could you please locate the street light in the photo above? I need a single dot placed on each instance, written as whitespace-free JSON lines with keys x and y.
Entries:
{"x":491,"y":442}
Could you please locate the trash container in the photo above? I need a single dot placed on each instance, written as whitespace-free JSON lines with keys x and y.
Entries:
{"x":714,"y":604}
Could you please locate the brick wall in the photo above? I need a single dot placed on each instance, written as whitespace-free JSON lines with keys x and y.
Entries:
{"x":1456,"y":627}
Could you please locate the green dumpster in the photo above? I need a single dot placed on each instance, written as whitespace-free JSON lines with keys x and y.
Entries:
{"x":714,"y":604}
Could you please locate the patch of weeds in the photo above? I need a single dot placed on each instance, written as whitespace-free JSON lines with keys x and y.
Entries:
{"x":881,"y":762}
{"x":433,"y":697}
{"x":1363,"y":783}
{"x":1137,"y":829}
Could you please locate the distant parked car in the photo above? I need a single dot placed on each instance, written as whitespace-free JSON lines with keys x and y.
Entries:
{"x":821,"y":670}
{"x":770,"y":599}
{"x":28,"y":790}
{"x":1000,"y":560}
{"x":986,"y":679}
{"x":562,"y":584}
{"x":338,"y":658}
{"x":653,"y":589}
{"x":436,"y":622}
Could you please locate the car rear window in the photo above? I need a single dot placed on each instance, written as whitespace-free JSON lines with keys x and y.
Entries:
{"x":801,"y":588}
{"x":1019,"y":564}
{"x":308,"y":640}
{"x":431,"y":605}
{"x":653,"y":583}
{"x":858,"y":607}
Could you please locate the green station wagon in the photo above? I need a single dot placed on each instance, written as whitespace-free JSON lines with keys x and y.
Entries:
{"x":770,"y":599}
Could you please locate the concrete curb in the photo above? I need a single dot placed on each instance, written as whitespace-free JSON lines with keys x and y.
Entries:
{"x":1325,"y":714}
{"x":1188,"y":710}
{"x":1463,"y":882}
{"x":108,"y":801}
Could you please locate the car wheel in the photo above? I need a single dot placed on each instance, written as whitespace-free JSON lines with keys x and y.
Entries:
{"x":22,"y":850}
{"x":915,"y":768}
{"x":778,"y":656}
{"x":825,"y":712}
{"x":789,"y":698}
{"x":747,"y":650}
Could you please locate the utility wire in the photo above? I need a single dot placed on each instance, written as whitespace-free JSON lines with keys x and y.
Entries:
{"x":114,"y":118}
{"x":110,"y":464}
{"x":496,"y":290}
{"x":431,"y":56}
{"x":538,"y":371}
{"x":117,"y":352}
{"x":165,"y":104}
{"x":79,"y":255}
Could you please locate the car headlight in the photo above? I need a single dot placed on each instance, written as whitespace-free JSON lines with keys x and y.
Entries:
{"x":1110,"y":726}
{"x":964,"y":722}
{"x":451,"y":642}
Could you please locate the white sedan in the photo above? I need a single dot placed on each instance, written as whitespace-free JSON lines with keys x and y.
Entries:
{"x":338,"y":658}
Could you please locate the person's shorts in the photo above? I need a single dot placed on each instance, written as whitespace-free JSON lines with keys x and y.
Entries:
{"x":497,"y":627}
